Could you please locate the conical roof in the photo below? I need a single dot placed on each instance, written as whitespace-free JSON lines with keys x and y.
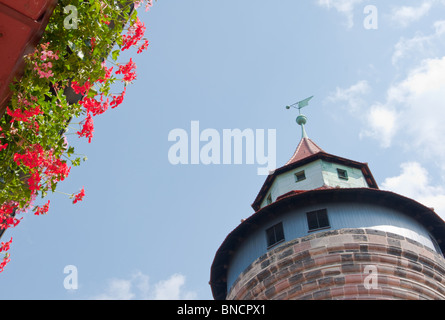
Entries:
{"x":305,"y":148}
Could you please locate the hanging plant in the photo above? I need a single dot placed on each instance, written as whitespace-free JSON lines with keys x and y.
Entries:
{"x":68,"y":76}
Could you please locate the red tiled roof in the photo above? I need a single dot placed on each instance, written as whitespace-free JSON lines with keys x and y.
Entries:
{"x":305,"y":148}
{"x":294,"y":192}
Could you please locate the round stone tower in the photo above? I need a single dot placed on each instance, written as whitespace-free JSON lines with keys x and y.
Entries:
{"x":322,"y":229}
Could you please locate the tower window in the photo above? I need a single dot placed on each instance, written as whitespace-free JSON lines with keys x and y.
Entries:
{"x":275,"y":234}
{"x":300,"y":176}
{"x":342,"y":174}
{"x":317,"y":219}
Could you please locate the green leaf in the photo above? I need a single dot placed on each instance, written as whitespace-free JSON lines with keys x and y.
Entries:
{"x":115,"y":54}
{"x":70,"y":151}
{"x":76,"y":162}
{"x":92,"y":93}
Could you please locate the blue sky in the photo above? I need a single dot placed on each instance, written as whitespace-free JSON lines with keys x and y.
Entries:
{"x":148,"y":229}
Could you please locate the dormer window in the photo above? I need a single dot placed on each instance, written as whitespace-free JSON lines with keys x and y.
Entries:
{"x":299,"y":176}
{"x":342,"y":174}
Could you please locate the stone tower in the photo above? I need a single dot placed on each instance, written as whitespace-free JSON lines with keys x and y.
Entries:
{"x":322,"y":229}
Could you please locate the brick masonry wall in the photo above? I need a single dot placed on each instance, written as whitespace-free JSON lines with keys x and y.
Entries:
{"x":344,"y":264}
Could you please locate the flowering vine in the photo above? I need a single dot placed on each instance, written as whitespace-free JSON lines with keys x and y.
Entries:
{"x":82,"y":62}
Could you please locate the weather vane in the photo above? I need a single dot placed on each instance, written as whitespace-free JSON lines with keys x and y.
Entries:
{"x":300,"y":104}
{"x":301,"y":119}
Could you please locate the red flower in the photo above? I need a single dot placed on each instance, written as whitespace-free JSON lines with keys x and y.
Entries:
{"x":107,"y":22}
{"x":34,"y":182}
{"x":93,"y":43}
{"x":43,"y":165}
{"x":7,"y":220}
{"x":143,"y":47}
{"x":94,"y":106}
{"x":108,"y":72}
{"x":117,"y":100}
{"x":87,"y":129}
{"x":81,"y":89}
{"x":58,"y":169}
{"x":128,"y":71}
{"x":32,"y":158}
{"x":42,"y":210}
{"x":134,"y":34}
{"x":5,"y":245}
{"x":4,"y":262}
{"x":24,"y":116}
{"x":79,"y":196}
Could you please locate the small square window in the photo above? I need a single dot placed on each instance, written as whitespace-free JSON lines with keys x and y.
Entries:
{"x":299,"y":176}
{"x":342,"y":174}
{"x":275,"y":234}
{"x":317,"y":219}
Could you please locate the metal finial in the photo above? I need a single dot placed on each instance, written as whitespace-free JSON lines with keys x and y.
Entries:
{"x":301,"y":120}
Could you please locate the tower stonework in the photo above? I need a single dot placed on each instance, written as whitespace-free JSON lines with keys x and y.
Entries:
{"x":340,"y":264}
{"x":322,"y":229}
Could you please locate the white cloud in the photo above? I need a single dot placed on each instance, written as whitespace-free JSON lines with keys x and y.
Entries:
{"x":440,"y":27}
{"x":414,"y":182}
{"x":171,"y":289}
{"x":137,"y":287}
{"x":405,"y":15}
{"x":420,"y":102}
{"x":381,"y":124}
{"x":352,"y":96}
{"x":118,"y":289}
{"x":379,"y":120}
{"x":345,"y":7}
{"x":412,"y":113}
{"x":420,"y":45}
